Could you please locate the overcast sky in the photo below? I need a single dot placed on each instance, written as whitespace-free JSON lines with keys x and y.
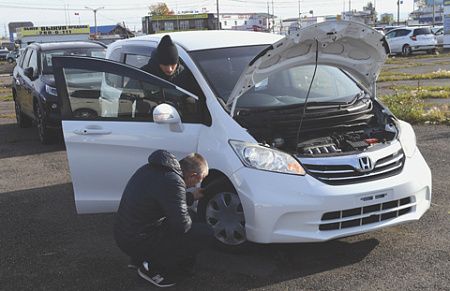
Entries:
{"x":61,"y":12}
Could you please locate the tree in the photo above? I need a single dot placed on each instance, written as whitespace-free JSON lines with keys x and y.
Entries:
{"x":370,"y":8}
{"x":160,"y":9}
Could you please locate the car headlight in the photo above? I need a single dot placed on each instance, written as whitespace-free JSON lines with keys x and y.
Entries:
{"x":407,"y":138}
{"x":267,"y":159}
{"x":51,"y":90}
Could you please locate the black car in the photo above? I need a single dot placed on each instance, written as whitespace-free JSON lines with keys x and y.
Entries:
{"x":33,"y":86}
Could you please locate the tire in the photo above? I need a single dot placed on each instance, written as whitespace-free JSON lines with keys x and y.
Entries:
{"x":10,"y":60}
{"x":45,"y":136}
{"x":85,"y":113}
{"x":222,"y":209}
{"x":406,"y":50}
{"x":22,"y":120}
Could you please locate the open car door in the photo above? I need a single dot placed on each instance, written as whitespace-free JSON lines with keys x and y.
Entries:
{"x":114,"y":117}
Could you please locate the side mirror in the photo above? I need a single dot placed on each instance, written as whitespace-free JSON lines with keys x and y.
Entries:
{"x":167,"y":114}
{"x":29,"y":72}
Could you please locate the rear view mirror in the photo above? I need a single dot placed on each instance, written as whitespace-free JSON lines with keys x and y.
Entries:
{"x":167,"y":114}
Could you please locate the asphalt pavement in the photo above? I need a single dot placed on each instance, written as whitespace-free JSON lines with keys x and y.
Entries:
{"x":46,"y":245}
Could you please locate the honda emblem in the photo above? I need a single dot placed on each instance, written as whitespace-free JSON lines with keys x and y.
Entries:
{"x":365,"y":164}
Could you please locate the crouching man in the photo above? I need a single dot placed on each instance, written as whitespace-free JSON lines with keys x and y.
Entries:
{"x":153,"y":225}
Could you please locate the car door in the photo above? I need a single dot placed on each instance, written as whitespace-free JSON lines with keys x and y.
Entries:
{"x":104,"y":150}
{"x":396,"y":39}
{"x":23,"y":82}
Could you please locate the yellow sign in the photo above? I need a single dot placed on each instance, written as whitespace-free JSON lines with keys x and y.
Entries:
{"x":54,"y":30}
{"x":179,"y":17}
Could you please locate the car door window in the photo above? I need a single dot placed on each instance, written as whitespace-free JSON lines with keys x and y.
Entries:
{"x":34,"y":63}
{"x":98,"y":95}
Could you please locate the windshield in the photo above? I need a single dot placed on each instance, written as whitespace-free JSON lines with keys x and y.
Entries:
{"x":47,"y":66}
{"x":223,"y":67}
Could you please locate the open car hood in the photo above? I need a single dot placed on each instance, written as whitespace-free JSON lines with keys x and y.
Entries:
{"x":351,"y":46}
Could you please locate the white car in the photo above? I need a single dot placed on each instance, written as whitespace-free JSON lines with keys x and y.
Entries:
{"x":406,"y":40}
{"x":298,"y":149}
{"x":439,"y":33}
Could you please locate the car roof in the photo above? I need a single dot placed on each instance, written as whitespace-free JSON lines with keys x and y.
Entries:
{"x":208,"y":39}
{"x":69,"y":44}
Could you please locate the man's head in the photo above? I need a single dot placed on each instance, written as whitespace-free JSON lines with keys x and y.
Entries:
{"x":195,"y":169}
{"x":167,"y":55}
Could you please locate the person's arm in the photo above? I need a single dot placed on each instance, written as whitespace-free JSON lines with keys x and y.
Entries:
{"x":174,"y":204}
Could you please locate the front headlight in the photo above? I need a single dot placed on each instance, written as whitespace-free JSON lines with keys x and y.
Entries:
{"x":267,"y":159}
{"x":51,"y":90}
{"x":407,"y":138}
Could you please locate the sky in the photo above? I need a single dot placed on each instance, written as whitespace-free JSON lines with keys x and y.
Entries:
{"x":62,"y":12}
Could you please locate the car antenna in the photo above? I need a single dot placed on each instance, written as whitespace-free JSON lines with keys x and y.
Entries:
{"x":307,"y":94}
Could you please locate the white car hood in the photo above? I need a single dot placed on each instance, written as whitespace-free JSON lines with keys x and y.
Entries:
{"x":351,"y":46}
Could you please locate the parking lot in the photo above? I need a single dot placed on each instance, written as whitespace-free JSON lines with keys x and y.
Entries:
{"x":45,"y":245}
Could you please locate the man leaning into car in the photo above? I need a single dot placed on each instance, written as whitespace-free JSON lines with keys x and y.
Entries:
{"x":153,"y":225}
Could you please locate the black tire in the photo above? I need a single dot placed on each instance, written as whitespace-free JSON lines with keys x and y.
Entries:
{"x":222,"y":209}
{"x":85,"y":113}
{"x":45,"y":135}
{"x":406,"y":50}
{"x":22,"y":120}
{"x":10,"y":60}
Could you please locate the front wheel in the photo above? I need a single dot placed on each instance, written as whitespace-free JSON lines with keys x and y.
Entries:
{"x":10,"y":60}
{"x":222,"y":209}
{"x":45,"y":135}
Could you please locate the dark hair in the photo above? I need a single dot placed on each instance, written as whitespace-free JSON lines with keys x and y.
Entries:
{"x":194,"y":163}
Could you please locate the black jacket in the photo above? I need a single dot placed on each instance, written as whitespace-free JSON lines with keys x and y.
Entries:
{"x":153,"y":202}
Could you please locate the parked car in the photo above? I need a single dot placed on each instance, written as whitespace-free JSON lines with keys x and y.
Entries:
{"x":380,"y":30}
{"x":33,"y":86}
{"x":299,"y":150}
{"x":407,"y":40}
{"x":12,"y":56}
{"x":3,"y":53}
{"x":439,"y":33}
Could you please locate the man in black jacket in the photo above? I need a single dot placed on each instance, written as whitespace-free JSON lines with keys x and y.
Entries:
{"x":165,"y":63}
{"x":153,"y":225}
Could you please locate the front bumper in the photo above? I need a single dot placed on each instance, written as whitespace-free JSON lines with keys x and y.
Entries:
{"x":283,"y":208}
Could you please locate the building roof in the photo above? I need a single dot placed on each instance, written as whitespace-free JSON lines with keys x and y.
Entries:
{"x":103,"y":28}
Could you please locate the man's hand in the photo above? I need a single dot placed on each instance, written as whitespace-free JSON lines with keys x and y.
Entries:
{"x":198,"y":193}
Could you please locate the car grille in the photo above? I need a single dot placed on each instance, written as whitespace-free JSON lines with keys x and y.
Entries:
{"x":339,"y":174}
{"x":365,"y":215}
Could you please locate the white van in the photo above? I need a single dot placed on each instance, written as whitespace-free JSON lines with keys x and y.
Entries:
{"x":299,"y":149}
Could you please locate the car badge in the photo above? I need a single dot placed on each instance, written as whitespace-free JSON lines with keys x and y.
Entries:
{"x":365,"y":164}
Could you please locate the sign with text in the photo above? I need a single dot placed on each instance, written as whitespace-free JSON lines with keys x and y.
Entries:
{"x":54,"y":30}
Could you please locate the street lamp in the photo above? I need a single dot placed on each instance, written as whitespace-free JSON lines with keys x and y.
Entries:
{"x":95,"y":16}
{"x":65,"y":10}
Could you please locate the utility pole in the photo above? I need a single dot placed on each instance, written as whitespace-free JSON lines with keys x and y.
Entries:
{"x":95,"y":16}
{"x":218,"y":16}
{"x":434,"y":12}
{"x":398,"y":12}
{"x":65,"y":10}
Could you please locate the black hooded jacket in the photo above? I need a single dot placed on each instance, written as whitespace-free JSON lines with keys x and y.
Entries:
{"x":153,"y":202}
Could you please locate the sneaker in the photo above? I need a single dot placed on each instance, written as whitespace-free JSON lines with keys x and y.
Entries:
{"x":134,"y":264}
{"x":160,"y":279}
